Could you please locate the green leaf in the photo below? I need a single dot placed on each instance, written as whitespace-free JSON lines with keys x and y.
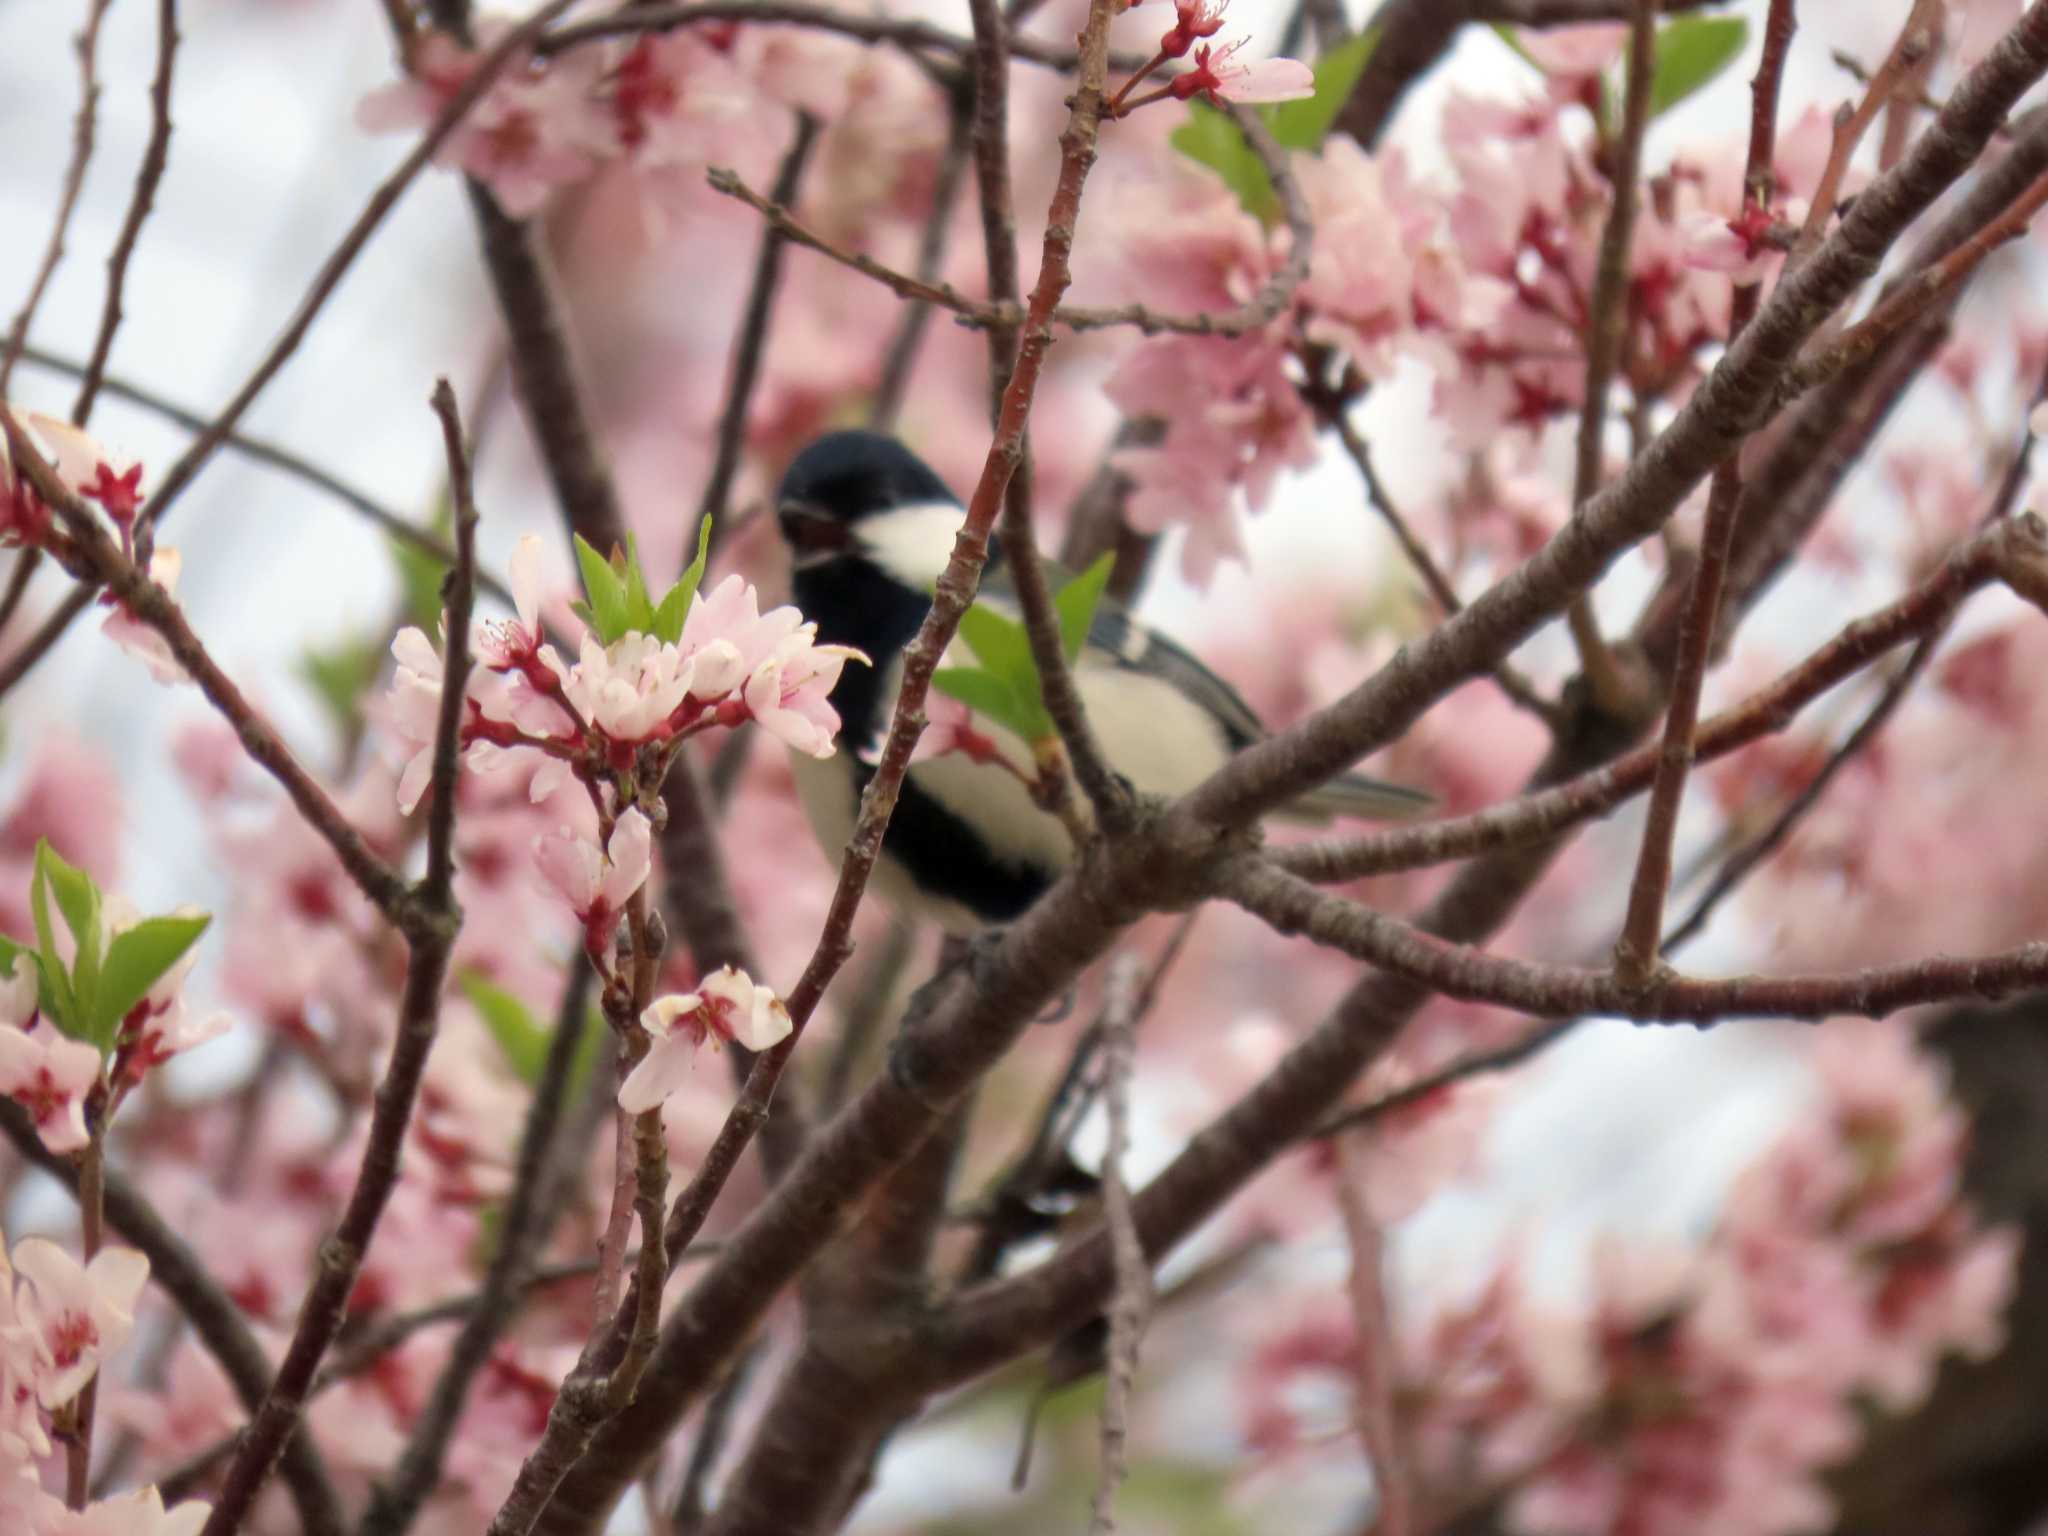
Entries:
{"x":675,"y":605}
{"x":519,"y":1034}
{"x":1076,"y":602}
{"x":606,"y":610}
{"x":78,"y":899}
{"x":1001,"y":645}
{"x":137,"y":959}
{"x":1513,"y":39}
{"x":340,"y":674}
{"x":419,"y":583}
{"x":56,"y":984}
{"x":1210,"y":138}
{"x":639,"y":604}
{"x":1305,"y":124}
{"x":989,"y":695}
{"x":1691,"y":51}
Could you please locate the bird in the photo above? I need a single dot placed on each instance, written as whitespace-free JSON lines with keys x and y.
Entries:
{"x":870,"y":527}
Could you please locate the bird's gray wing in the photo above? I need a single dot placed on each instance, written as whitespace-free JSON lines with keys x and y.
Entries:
{"x":1115,"y":638}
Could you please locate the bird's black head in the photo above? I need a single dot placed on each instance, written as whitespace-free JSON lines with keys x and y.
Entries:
{"x":843,"y":478}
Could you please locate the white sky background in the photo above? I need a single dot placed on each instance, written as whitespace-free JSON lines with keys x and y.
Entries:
{"x":267,"y":170}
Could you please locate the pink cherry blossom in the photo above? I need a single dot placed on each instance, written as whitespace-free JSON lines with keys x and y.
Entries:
{"x":728,"y":1005}
{"x":76,"y":1313}
{"x":598,"y":884}
{"x":1218,"y":76}
{"x":511,"y":642}
{"x":49,"y":1076}
{"x":144,"y":641}
{"x":628,"y":690}
{"x":539,"y":127}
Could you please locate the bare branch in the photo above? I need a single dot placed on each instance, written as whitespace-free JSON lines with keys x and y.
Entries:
{"x":1548,"y":811}
{"x":155,"y":155}
{"x":152,"y":605}
{"x":1729,"y":404}
{"x":512,"y":46}
{"x":913,"y":37}
{"x":1635,"y":954}
{"x":1132,"y":1306}
{"x":84,"y":130}
{"x":430,"y":921}
{"x":750,"y":341}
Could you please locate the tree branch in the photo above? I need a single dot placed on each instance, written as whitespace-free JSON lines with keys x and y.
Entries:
{"x":155,"y":155}
{"x":430,"y":921}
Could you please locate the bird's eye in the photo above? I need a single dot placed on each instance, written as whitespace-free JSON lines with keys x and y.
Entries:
{"x":808,"y":530}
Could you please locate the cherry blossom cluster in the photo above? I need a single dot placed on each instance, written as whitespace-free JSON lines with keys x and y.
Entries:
{"x":1483,"y":275}
{"x":664,"y":101}
{"x":647,"y":677}
{"x":635,"y":695}
{"x":1217,"y":74}
{"x":93,"y":474}
{"x":1707,"y":1390}
{"x":59,"y":1320}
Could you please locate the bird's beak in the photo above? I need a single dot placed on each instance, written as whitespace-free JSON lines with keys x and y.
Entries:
{"x":812,"y":533}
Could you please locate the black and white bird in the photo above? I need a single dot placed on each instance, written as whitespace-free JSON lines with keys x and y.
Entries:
{"x":870,"y":528}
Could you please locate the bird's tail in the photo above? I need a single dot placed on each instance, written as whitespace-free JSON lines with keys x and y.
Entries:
{"x":1356,"y":797}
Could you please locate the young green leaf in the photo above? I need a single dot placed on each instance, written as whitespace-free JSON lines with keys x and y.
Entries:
{"x":519,"y":1034}
{"x":340,"y":675}
{"x":1513,"y":39}
{"x":639,"y":603}
{"x":606,"y":609}
{"x":79,"y":901}
{"x":419,"y":579}
{"x":1001,"y":645}
{"x":56,"y":995}
{"x":1691,"y":52}
{"x":675,"y":605}
{"x":1305,"y":124}
{"x":1210,"y":138}
{"x":992,"y":697}
{"x":1076,"y":602}
{"x":137,"y":959}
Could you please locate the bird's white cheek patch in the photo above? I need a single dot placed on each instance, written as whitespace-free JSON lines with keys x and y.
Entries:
{"x":912,"y":543}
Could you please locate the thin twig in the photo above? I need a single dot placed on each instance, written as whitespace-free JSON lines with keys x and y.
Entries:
{"x":1132,"y":1305}
{"x":396,"y":1502}
{"x":155,"y":156}
{"x":1546,"y":812}
{"x":1511,"y":682}
{"x":152,"y":605}
{"x":1912,"y":299}
{"x":1607,"y":309}
{"x":273,"y":456}
{"x":84,"y":131}
{"x":514,"y":45}
{"x":1466,"y":972}
{"x":430,"y":921}
{"x":1372,"y":1327}
{"x":1916,"y":37}
{"x":1636,"y":952}
{"x":980,"y":314}
{"x":750,"y":341}
{"x":911,"y":36}
{"x":915,"y":323}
